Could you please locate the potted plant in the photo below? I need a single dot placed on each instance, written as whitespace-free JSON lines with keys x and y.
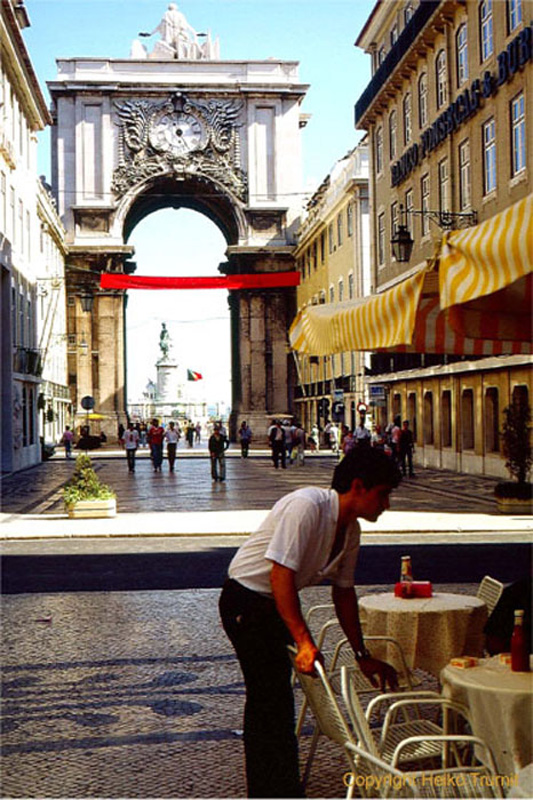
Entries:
{"x":85,"y":495}
{"x":516,"y":496}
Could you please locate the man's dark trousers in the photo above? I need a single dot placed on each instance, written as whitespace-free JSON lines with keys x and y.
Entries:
{"x":260,"y":639}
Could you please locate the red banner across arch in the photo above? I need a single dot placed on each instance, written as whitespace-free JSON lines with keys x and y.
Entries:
{"x":268,"y":280}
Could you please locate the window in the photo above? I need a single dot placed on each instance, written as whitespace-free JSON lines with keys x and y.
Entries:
{"x":408,"y":13}
{"x":446,"y":419}
{"x":3,"y":202}
{"x":423,"y":100}
{"x":350,"y":286}
{"x":485,"y":24}
{"x":330,"y":238}
{"x":381,"y":239}
{"x":407,"y":128}
{"x":339,"y":229}
{"x":322,"y":247}
{"x":424,"y":195}
{"x":441,"y":79}
{"x":409,"y":207}
{"x":321,"y":298}
{"x":393,"y":35}
{"x":444,"y":186}
{"x":518,"y":134}
{"x":379,"y":150}
{"x":514,"y":14}
{"x":331,"y":294}
{"x":341,"y":290}
{"x":464,"y":175}
{"x":428,"y":418}
{"x":411,"y":414}
{"x":393,"y":219}
{"x":489,"y":156}
{"x":349,"y":219}
{"x":467,"y":419}
{"x":315,"y":254}
{"x":382,"y":53}
{"x":492,"y":418}
{"x":461,"y":46}
{"x":24,"y":416}
{"x":393,"y":134}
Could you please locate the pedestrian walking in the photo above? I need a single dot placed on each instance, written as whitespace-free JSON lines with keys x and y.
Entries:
{"x":130,"y":441}
{"x":276,"y":438}
{"x":217,"y":445}
{"x":198,"y":433}
{"x":172,"y":438}
{"x":310,"y":535}
{"x":299,"y":445}
{"x":67,"y":440}
{"x":406,"y":446}
{"x":362,"y":435}
{"x":245,"y":437}
{"x":155,"y":441}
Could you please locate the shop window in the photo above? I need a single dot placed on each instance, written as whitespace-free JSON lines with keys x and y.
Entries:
{"x":446,"y":418}
{"x":396,"y":405}
{"x":492,"y":419}
{"x":429,"y":437}
{"x":411,"y":414}
{"x":467,"y":419}
{"x":520,"y":395}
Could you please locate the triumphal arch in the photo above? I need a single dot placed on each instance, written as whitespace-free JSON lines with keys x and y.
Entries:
{"x":175,"y":126}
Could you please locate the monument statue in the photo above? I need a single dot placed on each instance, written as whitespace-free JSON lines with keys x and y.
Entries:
{"x":178,"y":40}
{"x":164,"y":340}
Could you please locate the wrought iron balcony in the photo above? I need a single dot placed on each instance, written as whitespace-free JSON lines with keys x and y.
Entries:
{"x":405,"y":41}
{"x":28,"y":361}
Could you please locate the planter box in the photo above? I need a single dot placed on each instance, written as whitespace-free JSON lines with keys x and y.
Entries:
{"x":93,"y":509}
{"x":514,"y":505}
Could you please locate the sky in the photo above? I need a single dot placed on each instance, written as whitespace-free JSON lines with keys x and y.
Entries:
{"x":320,"y":35}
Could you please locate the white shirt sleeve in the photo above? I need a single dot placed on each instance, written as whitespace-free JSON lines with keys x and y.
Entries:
{"x":294,"y":534}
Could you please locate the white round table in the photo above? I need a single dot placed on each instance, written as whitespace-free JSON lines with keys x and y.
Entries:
{"x":500,"y":703}
{"x":431,"y":630}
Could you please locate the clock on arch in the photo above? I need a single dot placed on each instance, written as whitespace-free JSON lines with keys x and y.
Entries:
{"x":177,"y":132}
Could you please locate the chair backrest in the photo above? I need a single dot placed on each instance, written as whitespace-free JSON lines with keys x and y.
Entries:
{"x":323,"y":703}
{"x":489,"y":591}
{"x":356,"y":715}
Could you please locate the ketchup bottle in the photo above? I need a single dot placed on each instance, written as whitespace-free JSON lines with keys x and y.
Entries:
{"x":519,"y":648}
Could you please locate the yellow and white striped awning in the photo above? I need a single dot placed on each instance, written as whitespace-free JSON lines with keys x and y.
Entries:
{"x":485,"y":276}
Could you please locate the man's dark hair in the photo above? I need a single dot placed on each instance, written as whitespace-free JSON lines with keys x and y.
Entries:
{"x":372,"y":466}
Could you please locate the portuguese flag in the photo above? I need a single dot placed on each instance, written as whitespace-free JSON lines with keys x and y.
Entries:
{"x":194,"y":376}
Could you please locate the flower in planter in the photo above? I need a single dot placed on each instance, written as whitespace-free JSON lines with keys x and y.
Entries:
{"x":85,"y":484}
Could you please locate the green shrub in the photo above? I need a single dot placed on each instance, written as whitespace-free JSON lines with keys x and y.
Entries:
{"x":85,"y":484}
{"x":516,"y":439}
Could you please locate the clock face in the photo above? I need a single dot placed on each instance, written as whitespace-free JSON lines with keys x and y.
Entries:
{"x":177,"y":132}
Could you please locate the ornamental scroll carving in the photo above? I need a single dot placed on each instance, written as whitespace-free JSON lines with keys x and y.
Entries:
{"x":181,"y":137}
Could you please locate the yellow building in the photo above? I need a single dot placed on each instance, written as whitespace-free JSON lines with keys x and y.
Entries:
{"x":332,"y":256}
{"x":450,"y":125}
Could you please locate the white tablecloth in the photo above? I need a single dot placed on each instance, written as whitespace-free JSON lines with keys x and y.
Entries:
{"x":500,"y":703}
{"x":431,"y":630}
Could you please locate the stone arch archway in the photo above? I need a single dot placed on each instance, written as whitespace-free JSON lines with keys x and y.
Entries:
{"x":222,"y":138}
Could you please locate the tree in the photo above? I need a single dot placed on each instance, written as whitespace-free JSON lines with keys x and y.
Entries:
{"x":516,"y":439}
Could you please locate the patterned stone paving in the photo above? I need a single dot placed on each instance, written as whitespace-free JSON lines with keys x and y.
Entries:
{"x":251,"y":483}
{"x":130,"y":695}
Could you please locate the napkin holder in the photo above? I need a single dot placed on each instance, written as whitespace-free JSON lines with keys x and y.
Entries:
{"x":413,"y":589}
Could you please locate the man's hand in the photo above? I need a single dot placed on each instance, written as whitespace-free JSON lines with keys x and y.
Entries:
{"x":370,"y":667}
{"x":307,"y":654}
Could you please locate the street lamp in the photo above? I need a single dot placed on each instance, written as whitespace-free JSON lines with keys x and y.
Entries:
{"x":86,"y":300}
{"x":402,"y":241}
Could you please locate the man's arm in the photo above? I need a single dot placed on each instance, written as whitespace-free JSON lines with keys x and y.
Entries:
{"x":282,"y":580}
{"x":347,"y":608}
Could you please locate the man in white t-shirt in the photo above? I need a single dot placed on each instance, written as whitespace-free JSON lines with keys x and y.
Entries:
{"x":130,"y":438}
{"x":310,"y":535}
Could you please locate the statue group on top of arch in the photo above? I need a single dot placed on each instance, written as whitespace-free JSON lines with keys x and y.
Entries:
{"x":179,"y":40}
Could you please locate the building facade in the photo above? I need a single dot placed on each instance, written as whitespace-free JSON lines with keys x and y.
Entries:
{"x":450,"y":125}
{"x":333,"y":258}
{"x":23,"y":211}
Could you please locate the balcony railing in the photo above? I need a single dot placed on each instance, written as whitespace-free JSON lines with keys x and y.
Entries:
{"x":27,"y":361}
{"x":416,"y":24}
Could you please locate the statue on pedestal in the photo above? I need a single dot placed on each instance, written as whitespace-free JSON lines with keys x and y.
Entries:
{"x":164,"y":340}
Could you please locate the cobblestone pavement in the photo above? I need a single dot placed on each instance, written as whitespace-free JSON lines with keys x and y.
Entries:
{"x":131,"y":695}
{"x":251,"y":483}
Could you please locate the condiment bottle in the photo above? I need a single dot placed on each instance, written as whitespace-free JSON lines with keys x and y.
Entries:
{"x":519,"y":648}
{"x":406,"y":576}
